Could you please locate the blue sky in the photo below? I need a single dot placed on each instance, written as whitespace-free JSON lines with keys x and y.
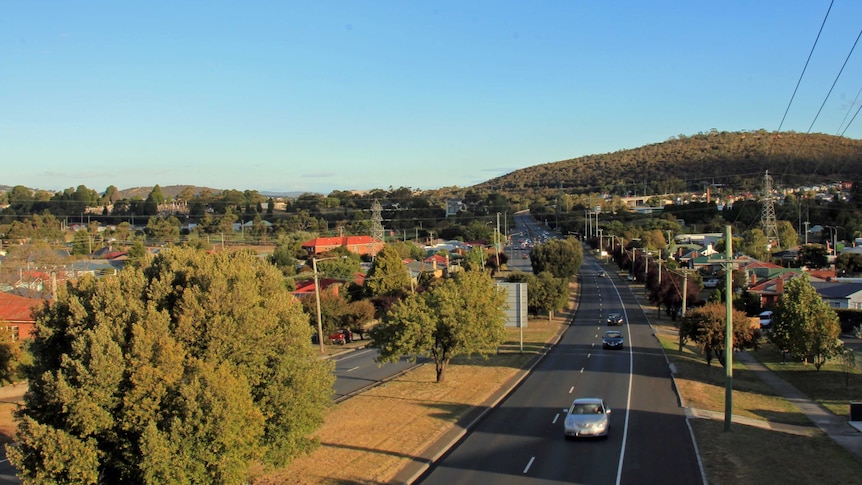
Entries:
{"x":342,"y":95}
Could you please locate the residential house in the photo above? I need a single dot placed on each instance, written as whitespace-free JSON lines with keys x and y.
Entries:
{"x":355,"y":244}
{"x":16,"y":314}
{"x":840,"y":295}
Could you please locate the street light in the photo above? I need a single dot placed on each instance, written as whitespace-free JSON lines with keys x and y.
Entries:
{"x":317,"y":297}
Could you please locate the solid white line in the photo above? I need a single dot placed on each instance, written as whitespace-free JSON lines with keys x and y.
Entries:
{"x":629,"y":394}
{"x":352,"y":369}
{"x":571,"y":389}
{"x":529,"y":464}
{"x":355,"y":354}
{"x":556,"y":417}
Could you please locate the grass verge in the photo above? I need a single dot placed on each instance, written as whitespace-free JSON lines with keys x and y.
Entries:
{"x":751,"y":455}
{"x":369,"y":438}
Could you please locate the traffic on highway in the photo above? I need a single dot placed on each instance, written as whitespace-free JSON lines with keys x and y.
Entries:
{"x":523,"y":439}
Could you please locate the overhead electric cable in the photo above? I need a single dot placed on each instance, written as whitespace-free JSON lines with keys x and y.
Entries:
{"x":835,"y":81}
{"x":806,"y":66}
{"x":849,"y":110}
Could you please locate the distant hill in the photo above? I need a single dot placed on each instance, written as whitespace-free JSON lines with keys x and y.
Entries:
{"x":167,"y":190}
{"x":738,"y":159}
{"x":173,"y":191}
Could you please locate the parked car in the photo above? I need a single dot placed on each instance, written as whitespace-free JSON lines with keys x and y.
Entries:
{"x":711,"y":283}
{"x":587,"y":416}
{"x":631,"y":277}
{"x":615,"y":319}
{"x":612,"y":339}
{"x":765,"y":319}
{"x":341,"y":336}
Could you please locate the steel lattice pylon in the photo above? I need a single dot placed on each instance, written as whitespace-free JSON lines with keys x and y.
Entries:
{"x":767,"y":217}
{"x":377,"y":221}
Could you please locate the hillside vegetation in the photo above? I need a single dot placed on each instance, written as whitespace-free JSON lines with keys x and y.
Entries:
{"x":687,"y":163}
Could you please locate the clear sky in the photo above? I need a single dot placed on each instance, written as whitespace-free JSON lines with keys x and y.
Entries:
{"x":325,"y":95}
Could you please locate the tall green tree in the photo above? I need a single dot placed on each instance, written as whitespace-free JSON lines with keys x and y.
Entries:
{"x":548,"y":293}
{"x":190,"y":370}
{"x":754,"y":244}
{"x":388,"y":276}
{"x":562,"y":257}
{"x":787,"y":235}
{"x":804,"y":325}
{"x":457,"y":316}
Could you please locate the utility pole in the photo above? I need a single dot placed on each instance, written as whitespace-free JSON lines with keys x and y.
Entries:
{"x":728,"y":333}
{"x":497,"y":241}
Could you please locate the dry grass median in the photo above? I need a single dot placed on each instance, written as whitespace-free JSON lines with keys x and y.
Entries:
{"x":371,"y":437}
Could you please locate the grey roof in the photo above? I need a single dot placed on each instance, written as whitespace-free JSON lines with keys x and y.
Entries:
{"x":835,"y":290}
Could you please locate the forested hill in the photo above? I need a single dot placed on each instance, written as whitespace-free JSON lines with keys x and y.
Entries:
{"x":688,"y":163}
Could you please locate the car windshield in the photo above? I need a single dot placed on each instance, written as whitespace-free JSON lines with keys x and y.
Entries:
{"x":586,"y":409}
{"x":613,"y":334}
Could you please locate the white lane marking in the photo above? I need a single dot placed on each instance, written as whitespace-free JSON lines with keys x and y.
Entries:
{"x":352,"y":369}
{"x":529,"y":464}
{"x":571,"y":389}
{"x":582,"y":370}
{"x":589,"y":355}
{"x":556,"y":417}
{"x":356,"y":353}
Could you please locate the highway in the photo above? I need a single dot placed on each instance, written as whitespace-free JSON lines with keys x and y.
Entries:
{"x":521,"y":441}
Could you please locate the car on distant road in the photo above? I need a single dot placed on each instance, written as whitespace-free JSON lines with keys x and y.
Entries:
{"x":602,"y":273}
{"x":612,"y":339}
{"x":586,"y":417}
{"x":711,"y":283}
{"x":630,"y":277}
{"x":615,"y":319}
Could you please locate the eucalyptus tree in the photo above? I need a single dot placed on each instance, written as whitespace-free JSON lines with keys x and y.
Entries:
{"x":462,"y":315}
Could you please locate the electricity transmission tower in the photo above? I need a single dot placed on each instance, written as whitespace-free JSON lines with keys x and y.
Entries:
{"x":376,"y":221}
{"x":767,"y":217}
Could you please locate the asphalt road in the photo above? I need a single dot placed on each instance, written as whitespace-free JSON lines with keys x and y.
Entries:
{"x":357,"y":370}
{"x":521,"y":441}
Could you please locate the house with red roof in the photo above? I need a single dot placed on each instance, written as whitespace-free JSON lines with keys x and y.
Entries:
{"x":16,"y":314}
{"x":355,"y":244}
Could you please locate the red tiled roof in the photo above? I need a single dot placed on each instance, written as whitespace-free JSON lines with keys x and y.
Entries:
{"x":15,"y":309}
{"x":307,"y":287}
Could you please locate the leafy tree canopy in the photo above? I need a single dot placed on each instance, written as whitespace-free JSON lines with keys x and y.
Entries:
{"x":562,"y":257}
{"x":190,"y":370}
{"x":457,"y":316}
{"x":804,"y":325}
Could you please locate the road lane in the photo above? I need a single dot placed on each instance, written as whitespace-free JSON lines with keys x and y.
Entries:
{"x":357,"y":370}
{"x":522,"y":440}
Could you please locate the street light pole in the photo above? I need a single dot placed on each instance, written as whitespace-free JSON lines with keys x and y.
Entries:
{"x":317,"y":297}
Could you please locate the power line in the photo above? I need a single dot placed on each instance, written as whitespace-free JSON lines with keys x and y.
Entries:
{"x":835,"y":81}
{"x":806,"y":66}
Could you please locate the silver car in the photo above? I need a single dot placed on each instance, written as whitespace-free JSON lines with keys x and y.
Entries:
{"x":588,"y":416}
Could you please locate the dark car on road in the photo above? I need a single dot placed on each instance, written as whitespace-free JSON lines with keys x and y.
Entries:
{"x":615,"y":319}
{"x":612,"y":339}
